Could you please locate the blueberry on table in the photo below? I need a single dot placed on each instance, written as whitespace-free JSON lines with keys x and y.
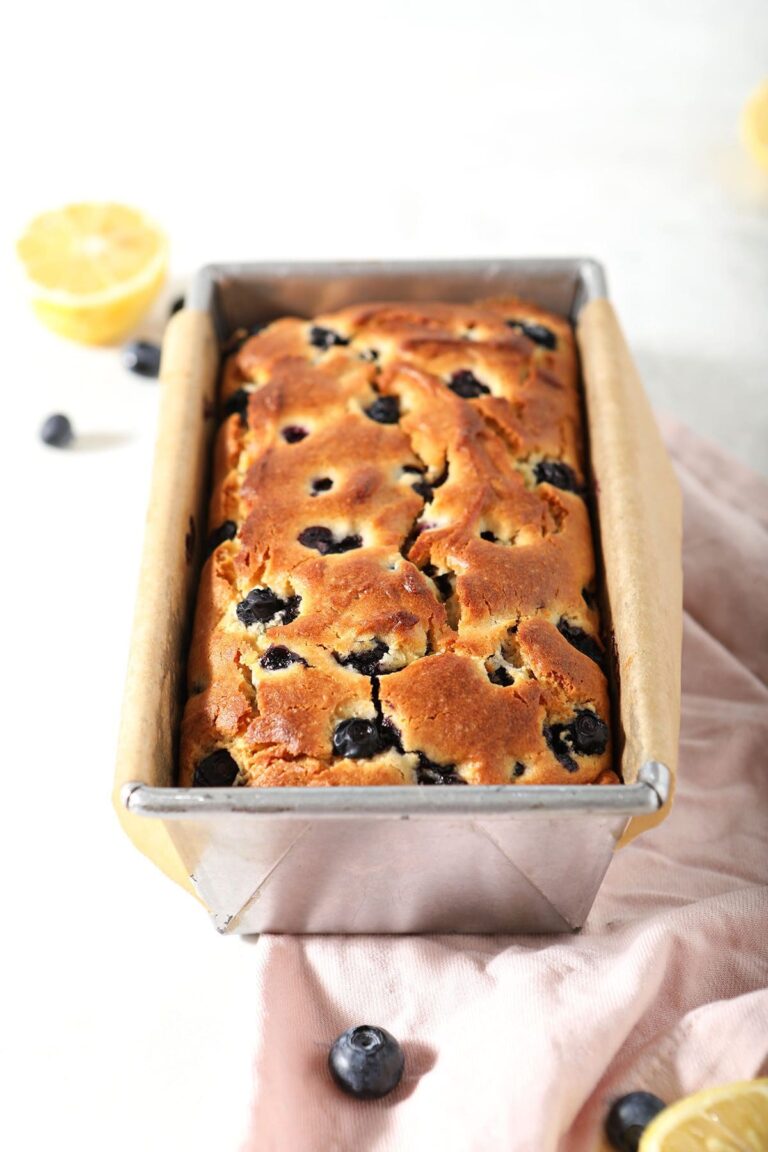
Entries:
{"x":628,"y":1118}
{"x":219,"y":770}
{"x":357,"y":739}
{"x":141,"y":357}
{"x":366,"y":1062}
{"x":57,"y":431}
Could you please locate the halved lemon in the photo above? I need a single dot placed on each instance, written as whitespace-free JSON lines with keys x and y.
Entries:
{"x":93,"y":269}
{"x":731,"y":1118}
{"x":754,"y":124}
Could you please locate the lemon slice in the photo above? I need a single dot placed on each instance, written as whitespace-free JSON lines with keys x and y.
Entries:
{"x":93,"y":269}
{"x":754,"y":123}
{"x":731,"y":1118}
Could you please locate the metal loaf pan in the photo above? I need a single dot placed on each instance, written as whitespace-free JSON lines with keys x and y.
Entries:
{"x":375,"y":860}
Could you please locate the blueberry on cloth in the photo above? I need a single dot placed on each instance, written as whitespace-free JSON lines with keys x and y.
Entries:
{"x":325,"y":337}
{"x":384,"y":410}
{"x":225,"y":531}
{"x":218,"y":770}
{"x":141,"y":357}
{"x":536,"y":332}
{"x":57,"y":431}
{"x":628,"y":1118}
{"x":366,"y":1062}
{"x":277,"y":657}
{"x":262,"y":604}
{"x":467,"y":385}
{"x":357,"y":739}
{"x":557,"y":474}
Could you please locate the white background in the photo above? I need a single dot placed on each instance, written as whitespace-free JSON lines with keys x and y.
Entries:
{"x":302,"y":130}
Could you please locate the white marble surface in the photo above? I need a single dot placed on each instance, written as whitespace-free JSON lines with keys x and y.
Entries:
{"x":326,"y":130}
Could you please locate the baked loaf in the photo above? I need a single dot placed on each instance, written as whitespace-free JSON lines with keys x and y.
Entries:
{"x":401,"y":580}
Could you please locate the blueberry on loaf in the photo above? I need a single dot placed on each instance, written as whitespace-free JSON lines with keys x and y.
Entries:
{"x":399,"y":587}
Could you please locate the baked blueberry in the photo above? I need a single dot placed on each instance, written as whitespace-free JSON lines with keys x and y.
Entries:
{"x":237,"y":403}
{"x":293,"y":433}
{"x":628,"y":1118}
{"x":443,"y":581}
{"x":519,"y":769}
{"x":589,"y":597}
{"x":590,"y":734}
{"x":324,"y":542}
{"x":415,"y":468}
{"x":428,"y":772}
{"x":467,"y":385}
{"x":219,"y":770}
{"x":370,"y":355}
{"x":423,"y":489}
{"x":176,"y":306}
{"x":367,"y":661}
{"x":384,"y":410}
{"x":500,"y":676}
{"x":262,"y":605}
{"x":141,"y":357}
{"x":277,"y":657}
{"x":536,"y":332}
{"x":325,"y":337}
{"x":357,"y":739}
{"x":559,"y":738}
{"x":321,"y":484}
{"x":366,"y":1062}
{"x":491,"y":537}
{"x":225,"y":531}
{"x":581,"y":640}
{"x":556,"y":473}
{"x":57,"y":431}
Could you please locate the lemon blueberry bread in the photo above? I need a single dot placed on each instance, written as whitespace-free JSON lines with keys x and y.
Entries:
{"x":400,"y":588}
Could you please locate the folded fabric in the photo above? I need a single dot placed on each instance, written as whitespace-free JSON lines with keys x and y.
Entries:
{"x":520,"y":1043}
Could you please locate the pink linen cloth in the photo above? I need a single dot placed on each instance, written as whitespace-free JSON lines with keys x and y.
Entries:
{"x":520,"y":1043}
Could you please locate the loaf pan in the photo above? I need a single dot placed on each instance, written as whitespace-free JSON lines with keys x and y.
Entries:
{"x":373,"y":860}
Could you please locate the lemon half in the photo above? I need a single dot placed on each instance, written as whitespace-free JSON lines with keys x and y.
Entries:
{"x":730,"y":1118}
{"x":93,"y":269}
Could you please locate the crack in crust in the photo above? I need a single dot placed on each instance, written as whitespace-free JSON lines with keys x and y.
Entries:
{"x":412,"y":485}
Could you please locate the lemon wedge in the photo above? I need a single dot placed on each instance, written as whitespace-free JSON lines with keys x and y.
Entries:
{"x":754,"y":124}
{"x":93,"y":269}
{"x":730,"y":1118}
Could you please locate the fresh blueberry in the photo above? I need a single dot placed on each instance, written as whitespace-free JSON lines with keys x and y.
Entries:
{"x":276,"y":658}
{"x":500,"y":676}
{"x":225,"y":531}
{"x":384,"y":410}
{"x":262,"y":605}
{"x":491,"y":537}
{"x":326,"y":337}
{"x":557,"y":474}
{"x":367,"y":661}
{"x":237,"y":403}
{"x":322,"y":484}
{"x":581,"y":640}
{"x":357,"y":739}
{"x":57,"y":431}
{"x":467,"y":385}
{"x":324,"y":542}
{"x":628,"y":1118}
{"x":428,"y":772}
{"x":293,"y":433}
{"x":536,"y":332}
{"x":366,"y":1062}
{"x":219,"y":770}
{"x":176,"y":306}
{"x":141,"y":357}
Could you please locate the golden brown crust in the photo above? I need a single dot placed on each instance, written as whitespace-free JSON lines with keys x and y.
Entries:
{"x":400,"y":487}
